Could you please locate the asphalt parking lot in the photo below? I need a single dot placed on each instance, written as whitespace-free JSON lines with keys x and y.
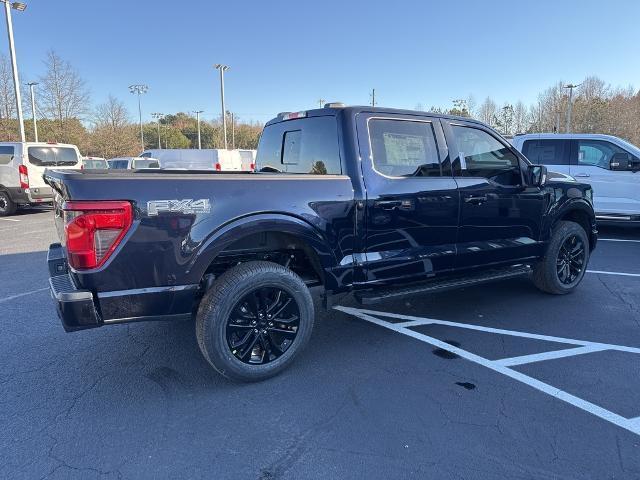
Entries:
{"x":490,"y":382}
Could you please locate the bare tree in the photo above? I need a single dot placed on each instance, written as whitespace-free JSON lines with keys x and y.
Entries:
{"x":7,"y":95}
{"x":520,"y":118}
{"x":487,"y":111}
{"x":63,"y":94}
{"x":113,"y":134}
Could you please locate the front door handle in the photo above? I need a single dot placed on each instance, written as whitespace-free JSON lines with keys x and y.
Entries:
{"x":476,"y":200}
{"x":582,"y":175}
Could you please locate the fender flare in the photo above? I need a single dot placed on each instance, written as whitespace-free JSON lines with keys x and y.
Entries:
{"x":257,"y":223}
{"x":574,"y":204}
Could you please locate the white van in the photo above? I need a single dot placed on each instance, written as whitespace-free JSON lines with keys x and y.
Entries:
{"x":609,"y":164}
{"x":132,"y":163}
{"x":192,"y":159}
{"x":21,"y":169}
{"x":248,"y":159}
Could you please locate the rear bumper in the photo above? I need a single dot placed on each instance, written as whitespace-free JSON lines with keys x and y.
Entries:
{"x":40,"y":194}
{"x":30,"y":195}
{"x":80,"y":309}
{"x":75,"y":306}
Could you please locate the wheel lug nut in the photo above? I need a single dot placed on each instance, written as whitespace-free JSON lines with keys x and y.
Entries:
{"x":255,"y":330}
{"x":271,"y":324}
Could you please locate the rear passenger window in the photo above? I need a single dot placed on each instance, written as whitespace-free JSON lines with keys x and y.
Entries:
{"x":546,"y":152}
{"x":404,"y":148}
{"x":306,"y":145}
{"x":6,"y":154}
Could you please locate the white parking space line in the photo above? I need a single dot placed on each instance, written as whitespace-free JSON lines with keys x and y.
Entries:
{"x":553,"y":355}
{"x":416,"y":321}
{"x":24,"y":294}
{"x":618,"y":240}
{"x":622,"y":274}
{"x":9,"y":220}
{"x":632,"y":425}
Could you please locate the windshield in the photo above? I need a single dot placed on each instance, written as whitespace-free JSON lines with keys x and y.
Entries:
{"x":52,"y":156}
{"x":631,"y":147}
{"x":150,"y":163}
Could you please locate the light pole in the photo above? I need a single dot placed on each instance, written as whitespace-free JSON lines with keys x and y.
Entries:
{"x":139,"y":89}
{"x":233,"y":131}
{"x":198,"y":112}
{"x":158,"y":116}
{"x":33,"y":110}
{"x":222,"y":69}
{"x":14,"y":65}
{"x":570,"y":86}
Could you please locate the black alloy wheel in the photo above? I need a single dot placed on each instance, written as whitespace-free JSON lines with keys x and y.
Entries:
{"x":571,"y":259}
{"x":262,"y":325}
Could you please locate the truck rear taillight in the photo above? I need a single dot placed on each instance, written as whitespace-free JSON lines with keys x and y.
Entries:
{"x":252,"y":167}
{"x":93,"y":230}
{"x":24,"y":176}
{"x":218,"y":167}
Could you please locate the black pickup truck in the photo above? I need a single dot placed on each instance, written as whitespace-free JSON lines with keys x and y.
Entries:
{"x":375,"y":201}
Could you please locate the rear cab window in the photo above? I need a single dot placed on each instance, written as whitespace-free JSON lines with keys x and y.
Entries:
{"x":306,"y":145}
{"x":51,"y":156}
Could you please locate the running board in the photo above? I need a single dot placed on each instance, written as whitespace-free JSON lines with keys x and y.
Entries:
{"x":369,"y":297}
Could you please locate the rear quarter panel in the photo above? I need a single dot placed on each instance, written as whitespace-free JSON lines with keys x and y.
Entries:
{"x":176,"y":248}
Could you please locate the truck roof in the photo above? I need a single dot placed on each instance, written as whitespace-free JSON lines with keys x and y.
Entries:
{"x":353,"y":110}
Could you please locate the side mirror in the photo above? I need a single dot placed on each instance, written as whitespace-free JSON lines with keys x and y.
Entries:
{"x":537,"y":175}
{"x":621,"y":162}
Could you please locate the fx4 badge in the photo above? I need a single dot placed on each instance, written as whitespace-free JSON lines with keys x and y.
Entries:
{"x":188,"y":205}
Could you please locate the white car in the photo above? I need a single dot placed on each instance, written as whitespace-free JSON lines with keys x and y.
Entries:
{"x":94,"y":163}
{"x":21,"y":167}
{"x":193,"y":159}
{"x":132,"y":163}
{"x":609,"y":164}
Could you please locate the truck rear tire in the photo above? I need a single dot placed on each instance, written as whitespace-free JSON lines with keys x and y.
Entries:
{"x":7,"y":206}
{"x":565,"y":263}
{"x":254,"y":320}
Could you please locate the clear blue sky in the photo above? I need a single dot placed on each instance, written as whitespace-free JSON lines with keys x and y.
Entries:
{"x":284,"y":55}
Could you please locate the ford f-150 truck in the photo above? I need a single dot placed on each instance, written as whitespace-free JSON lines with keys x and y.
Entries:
{"x":375,"y":201}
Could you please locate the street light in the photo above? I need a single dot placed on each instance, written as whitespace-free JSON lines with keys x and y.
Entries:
{"x":198,"y":112}
{"x":14,"y":65}
{"x":139,"y":89}
{"x":570,"y":86}
{"x":222,"y":69}
{"x":158,"y":116}
{"x":33,"y":109}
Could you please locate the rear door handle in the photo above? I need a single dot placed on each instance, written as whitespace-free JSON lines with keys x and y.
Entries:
{"x":388,"y":204}
{"x":582,"y":175}
{"x":405,"y":205}
{"x":476,"y":200}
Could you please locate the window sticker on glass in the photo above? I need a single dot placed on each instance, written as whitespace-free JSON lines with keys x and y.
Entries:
{"x":402,"y":149}
{"x":463,"y":161}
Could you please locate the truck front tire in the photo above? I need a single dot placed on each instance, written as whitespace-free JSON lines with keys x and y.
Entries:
{"x":7,"y":206}
{"x":565,"y":262}
{"x":254,"y":320}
